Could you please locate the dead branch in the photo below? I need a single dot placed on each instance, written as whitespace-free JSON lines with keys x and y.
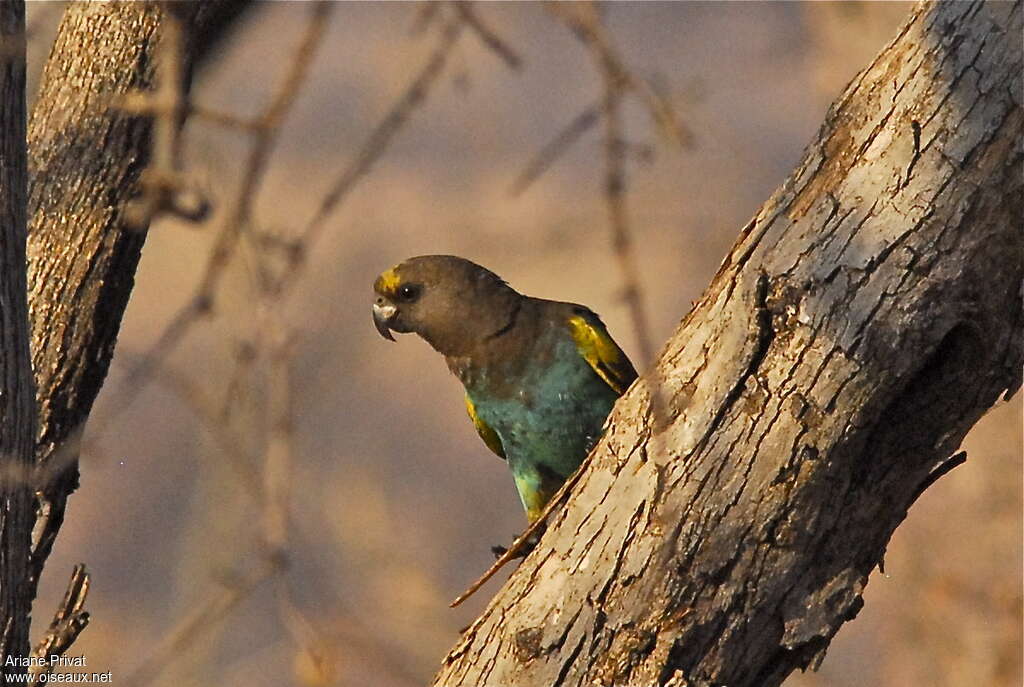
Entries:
{"x":68,"y":622}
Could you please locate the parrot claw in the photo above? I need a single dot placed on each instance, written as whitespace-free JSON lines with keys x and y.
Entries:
{"x":523,"y":550}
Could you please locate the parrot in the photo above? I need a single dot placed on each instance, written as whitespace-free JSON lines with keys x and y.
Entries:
{"x":540,"y":376}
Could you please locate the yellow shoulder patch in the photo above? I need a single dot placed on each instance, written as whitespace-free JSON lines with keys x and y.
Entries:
{"x":485,"y":431}
{"x":601,"y":352}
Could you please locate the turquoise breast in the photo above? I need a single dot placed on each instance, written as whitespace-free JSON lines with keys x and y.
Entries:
{"x":549,"y":417}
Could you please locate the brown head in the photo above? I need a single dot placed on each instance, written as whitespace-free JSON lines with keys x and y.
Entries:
{"x":454,"y":304}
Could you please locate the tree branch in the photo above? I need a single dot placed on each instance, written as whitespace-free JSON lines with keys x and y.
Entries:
{"x":866,"y":318}
{"x":86,"y":157}
{"x":68,"y":622}
{"x":17,"y":406}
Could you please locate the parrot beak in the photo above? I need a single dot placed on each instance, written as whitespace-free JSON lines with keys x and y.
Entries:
{"x":383,"y":312}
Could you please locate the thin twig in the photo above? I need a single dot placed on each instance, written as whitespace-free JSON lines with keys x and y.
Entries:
{"x":244,"y":356}
{"x":226,"y":119}
{"x":553,"y":149}
{"x":202,"y":619}
{"x":487,"y":36}
{"x":278,"y":453}
{"x":520,"y":541}
{"x":938,"y":473}
{"x":584,"y":20}
{"x":426,"y":14}
{"x":415,"y":94}
{"x":618,"y":216}
{"x":162,"y":184}
{"x":210,"y":414}
{"x":68,"y":622}
{"x":265,"y":137}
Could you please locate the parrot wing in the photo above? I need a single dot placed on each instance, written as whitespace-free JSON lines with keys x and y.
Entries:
{"x":485,"y":431}
{"x":600,"y":351}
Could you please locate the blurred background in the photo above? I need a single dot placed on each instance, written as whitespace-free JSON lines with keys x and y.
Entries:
{"x":392,"y":500}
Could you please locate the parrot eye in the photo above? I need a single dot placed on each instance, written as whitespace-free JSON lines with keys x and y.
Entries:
{"x":408,"y":292}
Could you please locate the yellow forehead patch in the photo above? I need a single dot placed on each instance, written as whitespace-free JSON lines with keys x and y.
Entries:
{"x":388,"y":281}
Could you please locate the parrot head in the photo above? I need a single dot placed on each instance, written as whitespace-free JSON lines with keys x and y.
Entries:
{"x":450,"y":302}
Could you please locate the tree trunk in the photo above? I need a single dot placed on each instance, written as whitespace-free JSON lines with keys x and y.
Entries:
{"x":747,"y":486}
{"x":17,"y":404}
{"x":86,"y":156}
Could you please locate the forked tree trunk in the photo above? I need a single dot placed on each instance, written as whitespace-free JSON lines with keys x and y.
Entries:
{"x":866,"y":318}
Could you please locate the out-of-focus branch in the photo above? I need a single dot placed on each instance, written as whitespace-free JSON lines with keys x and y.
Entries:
{"x":295,"y":249}
{"x":272,"y":350}
{"x":211,"y":416}
{"x":380,"y":138}
{"x":487,"y":36}
{"x":584,"y":20}
{"x":233,"y":220}
{"x":586,"y":23}
{"x":201,"y":620}
{"x":162,"y":184}
{"x":556,"y":147}
{"x":618,"y":215}
{"x":87,"y":157}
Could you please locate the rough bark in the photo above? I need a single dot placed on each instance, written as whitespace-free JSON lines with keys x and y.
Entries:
{"x":748,"y":484}
{"x":17,"y":404}
{"x":86,"y":156}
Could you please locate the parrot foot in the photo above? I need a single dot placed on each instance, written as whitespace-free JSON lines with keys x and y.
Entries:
{"x":524,"y":550}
